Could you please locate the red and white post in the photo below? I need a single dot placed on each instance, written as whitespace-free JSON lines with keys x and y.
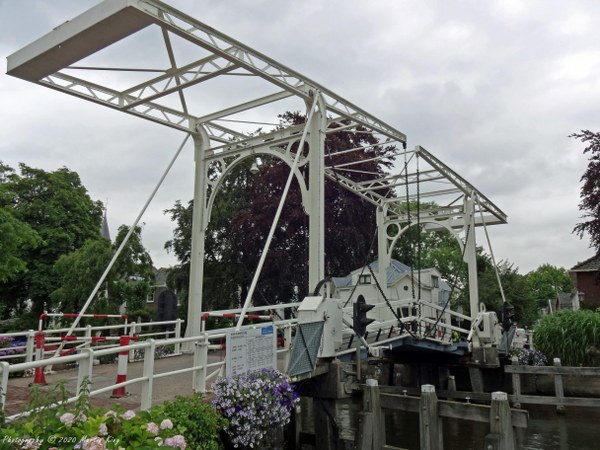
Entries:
{"x":40,"y":342}
{"x":122,"y":368}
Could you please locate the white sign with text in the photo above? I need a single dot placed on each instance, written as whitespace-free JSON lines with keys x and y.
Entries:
{"x":251,"y":349}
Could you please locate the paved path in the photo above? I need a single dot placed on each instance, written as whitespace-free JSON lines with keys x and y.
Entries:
{"x":166,"y":388}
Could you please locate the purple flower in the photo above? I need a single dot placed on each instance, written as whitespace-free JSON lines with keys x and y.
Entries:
{"x":254,"y":403}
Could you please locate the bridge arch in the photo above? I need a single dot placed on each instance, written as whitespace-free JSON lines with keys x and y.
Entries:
{"x":228,"y":168}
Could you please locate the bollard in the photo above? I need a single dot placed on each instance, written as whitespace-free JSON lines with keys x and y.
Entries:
{"x":40,"y":342}
{"x":122,"y":368}
{"x":558,"y":389}
{"x":451,"y":383}
{"x":501,"y":435}
{"x":429,"y":420}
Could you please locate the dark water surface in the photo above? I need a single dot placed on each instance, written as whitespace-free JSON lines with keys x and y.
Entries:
{"x":577,"y":429}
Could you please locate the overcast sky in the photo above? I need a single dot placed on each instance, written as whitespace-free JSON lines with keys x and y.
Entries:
{"x":492,"y":88}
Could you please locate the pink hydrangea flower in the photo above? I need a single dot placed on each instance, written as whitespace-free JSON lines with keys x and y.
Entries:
{"x":31,"y":444}
{"x":152,"y":428}
{"x":67,"y":419}
{"x":166,"y":424}
{"x":128,"y":415}
{"x":102,"y":429}
{"x":95,"y":443}
{"x":177,"y":441}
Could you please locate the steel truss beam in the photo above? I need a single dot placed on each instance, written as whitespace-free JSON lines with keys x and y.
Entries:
{"x":165,"y":95}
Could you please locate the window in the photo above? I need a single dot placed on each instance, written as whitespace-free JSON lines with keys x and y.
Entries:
{"x":364,"y":279}
{"x":435,"y":281}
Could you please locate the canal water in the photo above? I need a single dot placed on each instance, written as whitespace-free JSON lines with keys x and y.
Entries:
{"x":577,"y":429}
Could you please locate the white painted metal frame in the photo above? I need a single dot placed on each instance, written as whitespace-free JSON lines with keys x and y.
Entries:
{"x":166,"y":95}
{"x":203,"y":371}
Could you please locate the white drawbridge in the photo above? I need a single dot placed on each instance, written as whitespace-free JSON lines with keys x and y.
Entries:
{"x":95,"y":57}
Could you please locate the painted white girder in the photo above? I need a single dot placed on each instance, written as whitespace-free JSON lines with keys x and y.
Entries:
{"x":51,"y":61}
{"x":174,"y":92}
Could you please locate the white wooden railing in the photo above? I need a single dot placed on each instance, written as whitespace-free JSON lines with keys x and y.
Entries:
{"x":202,"y":370}
{"x":200,"y":345}
{"x":87,"y":337}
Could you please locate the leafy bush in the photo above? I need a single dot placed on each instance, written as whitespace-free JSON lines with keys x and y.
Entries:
{"x":56,"y":425}
{"x":567,"y":334}
{"x":196,"y":420}
{"x":256,"y":404}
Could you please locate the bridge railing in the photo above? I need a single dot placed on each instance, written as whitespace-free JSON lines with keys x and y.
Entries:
{"x":434,"y":321}
{"x":17,"y":345}
{"x":98,"y":337}
{"x":202,"y":370}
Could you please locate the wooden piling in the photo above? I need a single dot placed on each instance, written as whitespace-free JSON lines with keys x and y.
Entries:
{"x":429,"y":419}
{"x":325,"y":435}
{"x":371,"y":430}
{"x":451,"y":383}
{"x":476,"y":378}
{"x":516,"y":382}
{"x":501,"y":435}
{"x":558,"y":389}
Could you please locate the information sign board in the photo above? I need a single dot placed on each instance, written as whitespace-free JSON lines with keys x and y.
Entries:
{"x":251,"y":349}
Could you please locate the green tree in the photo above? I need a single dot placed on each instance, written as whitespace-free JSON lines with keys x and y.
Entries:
{"x":58,"y":208}
{"x":128,"y":282}
{"x":546,"y":282}
{"x":78,"y":272}
{"x":242,"y":214}
{"x":16,"y":237}
{"x":515,"y":290}
{"x":133,"y":273}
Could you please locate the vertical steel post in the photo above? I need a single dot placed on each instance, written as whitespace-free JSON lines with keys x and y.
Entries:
{"x":85,"y":369}
{"x":148,"y":375}
{"x":88,"y":336}
{"x":200,"y":362}
{"x":177,"y":348}
{"x":287,"y":337}
{"x":131,"y":334}
{"x":383,"y":255}
{"x":121,"y":391}
{"x":29,"y":346}
{"x":4,"y":372}
{"x":40,"y":343}
{"x":316,"y":193}
{"x":470,"y":256}
{"x":199,"y":222}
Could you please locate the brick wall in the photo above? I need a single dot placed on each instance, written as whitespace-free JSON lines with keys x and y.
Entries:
{"x":587,"y":282}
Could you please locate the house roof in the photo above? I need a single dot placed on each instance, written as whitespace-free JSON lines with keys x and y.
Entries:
{"x":160,"y":276}
{"x":104,"y":231}
{"x":395,"y":271}
{"x":589,"y":265}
